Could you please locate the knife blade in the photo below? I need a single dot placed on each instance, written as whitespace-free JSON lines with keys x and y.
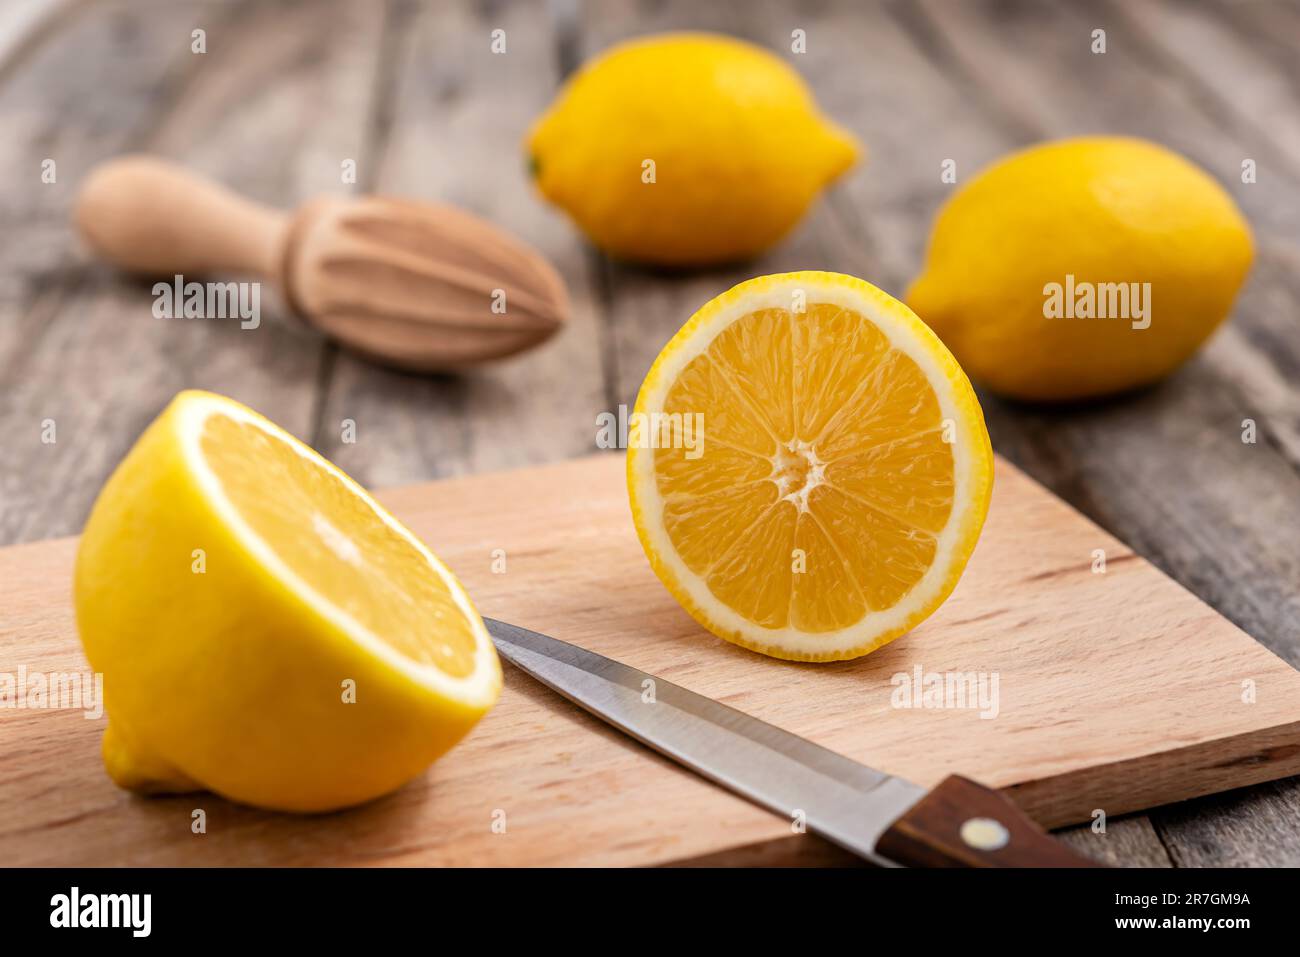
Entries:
{"x":880,"y":817}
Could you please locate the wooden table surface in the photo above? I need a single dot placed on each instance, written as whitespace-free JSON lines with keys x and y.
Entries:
{"x":289,"y":90}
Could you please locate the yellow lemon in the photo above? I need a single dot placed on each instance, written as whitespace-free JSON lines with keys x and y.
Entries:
{"x":808,"y":467}
{"x":1082,"y":267}
{"x":265,"y":629}
{"x":685,"y":149}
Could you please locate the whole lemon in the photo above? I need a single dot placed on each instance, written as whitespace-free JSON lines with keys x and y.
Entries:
{"x":686,"y":149}
{"x":1082,"y":267}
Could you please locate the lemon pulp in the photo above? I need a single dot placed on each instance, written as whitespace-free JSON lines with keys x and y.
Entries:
{"x":336,"y":547}
{"x":842,"y":476}
{"x":822,"y":442}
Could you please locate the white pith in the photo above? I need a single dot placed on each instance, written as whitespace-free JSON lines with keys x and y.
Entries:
{"x":793,"y":451}
{"x":477,"y":688}
{"x":877,"y":307}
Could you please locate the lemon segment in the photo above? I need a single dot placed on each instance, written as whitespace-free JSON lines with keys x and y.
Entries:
{"x":843,"y":476}
{"x":266,"y":630}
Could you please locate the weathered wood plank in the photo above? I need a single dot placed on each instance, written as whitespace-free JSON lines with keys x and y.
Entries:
{"x":1237,"y":60}
{"x":276,"y":88}
{"x":91,"y":90}
{"x":1127,"y":842}
{"x":1193,"y":423}
{"x":454,"y":129}
{"x":1165,"y":469}
{"x":24,"y":24}
{"x":1253,"y":827}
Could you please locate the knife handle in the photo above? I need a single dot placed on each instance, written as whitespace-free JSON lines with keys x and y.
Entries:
{"x":964,"y":824}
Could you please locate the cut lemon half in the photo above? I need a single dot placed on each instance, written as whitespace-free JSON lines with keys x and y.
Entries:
{"x":266,"y":630}
{"x":808,"y":467}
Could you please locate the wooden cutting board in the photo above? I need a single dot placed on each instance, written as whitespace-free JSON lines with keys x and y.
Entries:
{"x":1118,"y":690}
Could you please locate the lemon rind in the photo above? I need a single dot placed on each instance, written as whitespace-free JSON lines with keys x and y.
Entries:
{"x":972,"y":456}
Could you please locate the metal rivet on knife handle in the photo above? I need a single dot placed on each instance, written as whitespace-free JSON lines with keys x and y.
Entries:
{"x":985,"y":834}
{"x":964,"y":824}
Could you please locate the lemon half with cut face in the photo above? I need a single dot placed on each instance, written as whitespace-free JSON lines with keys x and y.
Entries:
{"x":843,"y":477}
{"x":265,"y":629}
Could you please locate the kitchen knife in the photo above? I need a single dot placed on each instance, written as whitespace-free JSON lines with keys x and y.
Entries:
{"x":880,"y":817}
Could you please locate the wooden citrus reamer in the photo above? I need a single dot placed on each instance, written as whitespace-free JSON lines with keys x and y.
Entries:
{"x":411,"y":284}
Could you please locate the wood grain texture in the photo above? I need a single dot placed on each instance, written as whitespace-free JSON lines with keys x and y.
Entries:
{"x":288,"y":89}
{"x":1168,"y":465}
{"x":1097,"y":672}
{"x":452,"y":130}
{"x":1126,"y":842}
{"x":78,"y":343}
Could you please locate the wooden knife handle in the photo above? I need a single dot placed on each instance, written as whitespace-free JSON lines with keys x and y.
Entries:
{"x":154,"y":217}
{"x":964,"y":824}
